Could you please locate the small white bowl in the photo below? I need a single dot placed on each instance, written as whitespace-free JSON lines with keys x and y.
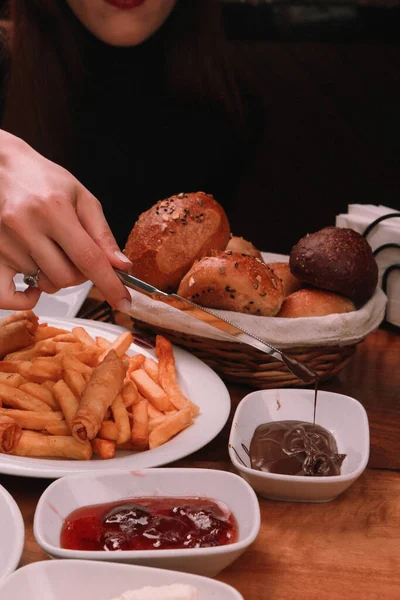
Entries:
{"x":72,"y":492}
{"x":12,"y":533}
{"x":342,"y":415}
{"x":89,"y":580}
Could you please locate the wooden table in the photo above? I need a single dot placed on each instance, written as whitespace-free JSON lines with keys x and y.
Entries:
{"x":348,"y":548}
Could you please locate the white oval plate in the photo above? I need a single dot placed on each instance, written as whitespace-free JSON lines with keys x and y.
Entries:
{"x":91,"y":580}
{"x":198,"y":382}
{"x":12,"y":533}
{"x":63,"y":304}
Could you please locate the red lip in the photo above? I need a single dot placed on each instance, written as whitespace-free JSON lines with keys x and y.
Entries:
{"x":125,"y":4}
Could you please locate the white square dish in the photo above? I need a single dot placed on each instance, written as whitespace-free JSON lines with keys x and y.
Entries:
{"x":342,"y":415}
{"x":72,"y":492}
{"x":90,"y":580}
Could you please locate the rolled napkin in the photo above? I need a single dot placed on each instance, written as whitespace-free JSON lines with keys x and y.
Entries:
{"x":384,"y":239}
{"x":10,"y":434}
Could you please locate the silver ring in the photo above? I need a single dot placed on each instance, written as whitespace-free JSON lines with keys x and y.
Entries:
{"x":32,"y":280}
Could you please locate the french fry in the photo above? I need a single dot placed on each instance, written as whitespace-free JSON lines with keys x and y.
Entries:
{"x":43,"y":369}
{"x":58,"y":428}
{"x":167,"y":376}
{"x":151,"y":390}
{"x":30,"y":419}
{"x":46,"y":332}
{"x":69,"y":361}
{"x":109,"y":431}
{"x":103,"y":448}
{"x":83,"y":336}
{"x":52,"y":446}
{"x":140,"y":425}
{"x":120,"y":345}
{"x":16,"y":398}
{"x":75,"y":382}
{"x":41,"y":393}
{"x":66,"y":338}
{"x":171,"y":425}
{"x":153,"y":412}
{"x":49,"y":385}
{"x":121,"y":419}
{"x":13,"y":379}
{"x":88,"y":356}
{"x":151,"y":368}
{"x":67,"y":400}
{"x":135,"y":362}
{"x":103,"y":343}
{"x":156,"y":421}
{"x":9,"y":366}
{"x":70,"y":347}
{"x":129,"y":393}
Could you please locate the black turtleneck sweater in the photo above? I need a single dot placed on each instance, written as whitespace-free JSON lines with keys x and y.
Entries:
{"x":137,"y":143}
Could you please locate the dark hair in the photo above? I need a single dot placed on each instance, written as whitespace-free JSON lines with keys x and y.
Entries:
{"x":46,"y":68}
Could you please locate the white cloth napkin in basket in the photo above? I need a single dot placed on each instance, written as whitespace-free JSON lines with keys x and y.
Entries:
{"x":333,"y":330}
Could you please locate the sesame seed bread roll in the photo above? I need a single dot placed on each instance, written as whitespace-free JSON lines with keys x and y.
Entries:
{"x":170,"y":236}
{"x":232,"y":281}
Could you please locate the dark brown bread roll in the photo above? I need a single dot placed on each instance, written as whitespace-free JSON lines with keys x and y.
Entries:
{"x":232,"y":281}
{"x":314,"y":303}
{"x":167,"y":238}
{"x":336,"y":259}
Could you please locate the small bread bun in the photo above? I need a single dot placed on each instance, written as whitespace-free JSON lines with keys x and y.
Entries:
{"x":314,"y":303}
{"x":242,"y":246}
{"x":336,"y":259}
{"x":167,"y":238}
{"x":290,"y":282}
{"x":232,"y":281}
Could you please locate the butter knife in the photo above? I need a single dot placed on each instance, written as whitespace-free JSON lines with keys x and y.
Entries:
{"x":210,"y":317}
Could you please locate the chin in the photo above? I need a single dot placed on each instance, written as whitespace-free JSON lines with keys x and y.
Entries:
{"x":122,"y":36}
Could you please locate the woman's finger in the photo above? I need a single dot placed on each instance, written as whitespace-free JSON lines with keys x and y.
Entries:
{"x":54,"y":263}
{"x":90,"y":214}
{"x":9,"y":297}
{"x":16,"y":255}
{"x":89,"y":258}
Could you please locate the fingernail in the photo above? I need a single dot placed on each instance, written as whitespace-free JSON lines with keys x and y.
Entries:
{"x":124,"y":305}
{"x":121,"y":256}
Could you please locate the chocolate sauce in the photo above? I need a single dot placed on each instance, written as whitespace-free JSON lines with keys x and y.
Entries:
{"x":295,"y":448}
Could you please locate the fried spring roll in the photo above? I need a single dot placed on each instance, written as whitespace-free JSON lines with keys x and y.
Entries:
{"x":31,"y":419}
{"x":14,"y":336}
{"x":21,"y":315}
{"x":103,"y":387}
{"x":10,"y":434}
{"x":52,"y":446}
{"x":16,"y":398}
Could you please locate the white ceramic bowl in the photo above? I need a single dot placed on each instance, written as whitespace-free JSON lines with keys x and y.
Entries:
{"x":72,"y":492}
{"x":89,"y":580}
{"x":12,"y":533}
{"x":342,"y":415}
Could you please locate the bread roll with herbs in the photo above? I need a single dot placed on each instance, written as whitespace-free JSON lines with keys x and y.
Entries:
{"x":170,"y":236}
{"x":232,"y":281}
{"x":242,"y":246}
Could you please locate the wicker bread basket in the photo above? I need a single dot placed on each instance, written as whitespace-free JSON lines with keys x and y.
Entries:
{"x":324,"y":344}
{"x":240,"y":363}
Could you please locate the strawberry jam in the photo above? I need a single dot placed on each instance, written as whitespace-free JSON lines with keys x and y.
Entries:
{"x":148,"y":524}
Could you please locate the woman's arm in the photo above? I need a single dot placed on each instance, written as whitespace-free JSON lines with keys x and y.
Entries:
{"x":48,"y":220}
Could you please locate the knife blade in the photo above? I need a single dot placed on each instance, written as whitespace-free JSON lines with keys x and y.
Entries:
{"x":209,"y":316}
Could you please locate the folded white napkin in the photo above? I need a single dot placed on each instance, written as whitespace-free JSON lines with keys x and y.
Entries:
{"x":333,"y":330}
{"x":358,"y":217}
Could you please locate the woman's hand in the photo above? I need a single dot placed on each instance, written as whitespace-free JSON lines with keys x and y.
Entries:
{"x":49,"y":221}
